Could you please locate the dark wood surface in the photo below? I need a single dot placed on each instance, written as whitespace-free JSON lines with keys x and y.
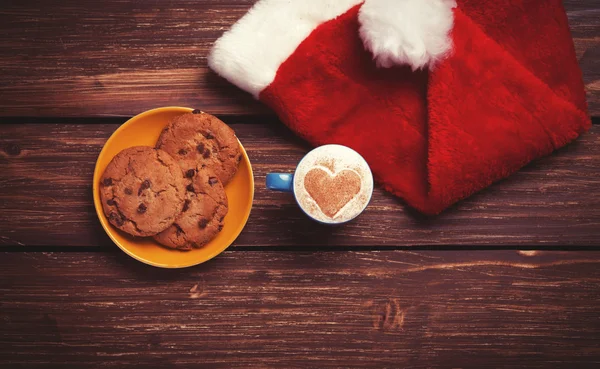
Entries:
{"x":396,"y":309}
{"x":426,"y":292}
{"x":46,"y":171}
{"x":146,"y":54}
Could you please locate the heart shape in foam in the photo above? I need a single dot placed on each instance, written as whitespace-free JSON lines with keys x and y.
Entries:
{"x":332,"y":192}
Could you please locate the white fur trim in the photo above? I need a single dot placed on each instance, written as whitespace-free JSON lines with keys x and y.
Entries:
{"x":413,"y":32}
{"x":251,"y":52}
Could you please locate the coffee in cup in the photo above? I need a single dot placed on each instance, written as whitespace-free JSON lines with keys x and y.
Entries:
{"x":332,"y":184}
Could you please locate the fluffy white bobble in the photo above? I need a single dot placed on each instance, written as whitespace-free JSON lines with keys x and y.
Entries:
{"x":413,"y":32}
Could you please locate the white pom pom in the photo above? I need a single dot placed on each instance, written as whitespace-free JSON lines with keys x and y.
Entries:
{"x":413,"y":32}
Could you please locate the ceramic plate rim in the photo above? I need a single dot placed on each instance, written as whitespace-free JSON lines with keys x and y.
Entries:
{"x":108,"y":229}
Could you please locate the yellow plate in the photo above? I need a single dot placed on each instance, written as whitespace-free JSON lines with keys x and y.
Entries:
{"x":143,"y":130}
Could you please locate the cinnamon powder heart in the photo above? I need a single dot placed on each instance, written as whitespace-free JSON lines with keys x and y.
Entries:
{"x":332,"y":193}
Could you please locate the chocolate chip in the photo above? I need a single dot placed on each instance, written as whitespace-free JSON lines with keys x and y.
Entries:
{"x":116,"y":218}
{"x":178,"y":229}
{"x":212,"y":180}
{"x":206,"y":154}
{"x":190,"y":173}
{"x":209,"y":135}
{"x":182,"y":152}
{"x":221,"y":219}
{"x":128,"y":191}
{"x":186,"y":205}
{"x":202,"y":223}
{"x":142,"y":209}
{"x":190,"y":188}
{"x":200,"y":148}
{"x":107,"y":182}
{"x":143,"y":186}
{"x":110,"y":202}
{"x":196,"y":111}
{"x":220,"y":227}
{"x":203,"y":165}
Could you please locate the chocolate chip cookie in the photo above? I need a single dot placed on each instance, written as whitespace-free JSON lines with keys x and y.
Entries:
{"x":201,"y":140}
{"x":142,"y":191}
{"x":204,"y":209}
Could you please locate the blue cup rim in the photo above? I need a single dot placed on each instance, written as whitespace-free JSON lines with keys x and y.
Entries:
{"x":320,"y":221}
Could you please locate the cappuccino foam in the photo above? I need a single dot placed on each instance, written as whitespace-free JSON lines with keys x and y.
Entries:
{"x":333,"y":184}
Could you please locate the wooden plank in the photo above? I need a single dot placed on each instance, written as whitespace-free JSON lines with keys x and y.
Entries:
{"x":82,"y":58}
{"x":46,"y":198}
{"x":478,"y":309}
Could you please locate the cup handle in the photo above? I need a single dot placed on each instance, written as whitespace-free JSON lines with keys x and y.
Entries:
{"x":280,"y":182}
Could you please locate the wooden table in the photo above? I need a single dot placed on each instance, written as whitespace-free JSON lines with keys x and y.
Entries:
{"x":507,"y":278}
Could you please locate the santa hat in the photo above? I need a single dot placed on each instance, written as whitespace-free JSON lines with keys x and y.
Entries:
{"x":442,"y":98}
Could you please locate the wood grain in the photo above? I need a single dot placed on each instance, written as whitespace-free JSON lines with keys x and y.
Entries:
{"x":118,"y":57}
{"x":46,"y":198}
{"x":397,"y":309}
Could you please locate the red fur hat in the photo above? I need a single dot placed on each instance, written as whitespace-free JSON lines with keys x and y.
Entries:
{"x":442,"y":98}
